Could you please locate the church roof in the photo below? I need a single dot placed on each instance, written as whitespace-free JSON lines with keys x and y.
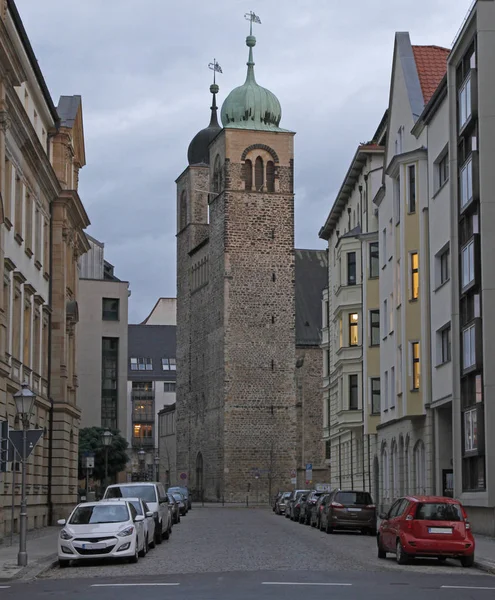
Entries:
{"x":311,"y":271}
{"x":198,"y":152}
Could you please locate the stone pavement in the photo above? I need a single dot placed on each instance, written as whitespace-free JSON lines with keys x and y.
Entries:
{"x":41,"y":549}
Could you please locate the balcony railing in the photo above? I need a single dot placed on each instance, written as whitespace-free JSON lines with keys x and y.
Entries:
{"x":143,"y":417}
{"x":142,"y":395}
{"x":143,"y":442}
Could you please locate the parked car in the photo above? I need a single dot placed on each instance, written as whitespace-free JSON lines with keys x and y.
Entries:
{"x":276,"y":498}
{"x":174,"y":507}
{"x":101,"y":530}
{"x":306,"y":505}
{"x":181,"y":501}
{"x":290,"y":502}
{"x":185,"y":492}
{"x":296,"y":505}
{"x":149,"y":520}
{"x":426,"y":526}
{"x":281,"y":503}
{"x":317,"y":509}
{"x":155,"y":497}
{"x":351,"y":510}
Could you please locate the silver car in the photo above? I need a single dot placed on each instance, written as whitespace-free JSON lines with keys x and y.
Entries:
{"x":149,"y":521}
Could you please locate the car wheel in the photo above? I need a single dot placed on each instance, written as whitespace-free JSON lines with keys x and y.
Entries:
{"x":135,"y":558}
{"x":63,"y":563}
{"x":467,"y":561}
{"x":401,"y":556}
{"x":158,"y":533}
{"x":381,"y":551}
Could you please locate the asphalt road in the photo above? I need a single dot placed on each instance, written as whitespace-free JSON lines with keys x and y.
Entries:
{"x":241,"y":554}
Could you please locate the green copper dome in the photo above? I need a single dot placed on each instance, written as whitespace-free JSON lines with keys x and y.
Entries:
{"x":251,"y":106}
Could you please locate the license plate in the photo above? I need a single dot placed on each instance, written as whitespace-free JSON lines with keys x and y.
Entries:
{"x":445,"y":530}
{"x":354,"y":510}
{"x":93,"y":546}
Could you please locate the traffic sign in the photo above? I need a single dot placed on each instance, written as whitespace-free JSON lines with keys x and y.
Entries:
{"x":183,"y":476}
{"x":89,"y":461}
{"x":309,"y":472}
{"x":32,"y":438}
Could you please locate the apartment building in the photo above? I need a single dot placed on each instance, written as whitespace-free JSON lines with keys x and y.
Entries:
{"x":350,"y":339}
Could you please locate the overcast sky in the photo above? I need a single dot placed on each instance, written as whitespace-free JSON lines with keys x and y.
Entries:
{"x":142,"y":70}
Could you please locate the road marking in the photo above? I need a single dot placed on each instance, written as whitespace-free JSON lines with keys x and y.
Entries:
{"x":4,"y":587}
{"x":466,"y":587}
{"x":301,"y":583}
{"x":130,"y":584}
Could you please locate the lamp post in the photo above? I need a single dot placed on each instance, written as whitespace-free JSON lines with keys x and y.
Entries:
{"x":24,"y":402}
{"x":141,"y":458}
{"x":157,"y":466}
{"x":106,"y":440}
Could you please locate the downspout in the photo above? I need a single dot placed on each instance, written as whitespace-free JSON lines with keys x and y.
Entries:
{"x":340,"y":465}
{"x":352,"y":464}
{"x":363,"y":333}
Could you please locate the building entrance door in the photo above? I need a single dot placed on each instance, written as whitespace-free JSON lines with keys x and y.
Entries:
{"x":448,"y":483}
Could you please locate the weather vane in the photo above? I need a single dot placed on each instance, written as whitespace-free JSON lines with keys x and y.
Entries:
{"x":216,"y":68}
{"x":250,"y":16}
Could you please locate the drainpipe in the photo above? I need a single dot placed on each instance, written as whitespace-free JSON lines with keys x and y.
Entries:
{"x":352,"y":463}
{"x":340,"y":465}
{"x":363,"y":333}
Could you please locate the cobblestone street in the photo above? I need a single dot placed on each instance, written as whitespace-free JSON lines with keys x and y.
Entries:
{"x":216,"y":540}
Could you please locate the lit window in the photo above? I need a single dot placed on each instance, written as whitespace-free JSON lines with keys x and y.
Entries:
{"x":467,"y":264}
{"x":416,"y":369}
{"x":466,"y":183}
{"x":469,"y":347}
{"x":353,"y":329}
{"x":169,"y":364}
{"x":414,"y":276}
{"x":465,"y":102}
{"x":470,"y":430}
{"x":411,"y":182}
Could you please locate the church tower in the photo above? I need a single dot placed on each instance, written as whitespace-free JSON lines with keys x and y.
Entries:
{"x":236,"y":401}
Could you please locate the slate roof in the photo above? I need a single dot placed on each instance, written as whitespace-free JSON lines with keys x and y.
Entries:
{"x":311,"y":271}
{"x":67,"y":110}
{"x":155,"y":342}
{"x":431,"y":63}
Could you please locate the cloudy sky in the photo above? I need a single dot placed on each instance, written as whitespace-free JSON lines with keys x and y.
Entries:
{"x":142,"y":70}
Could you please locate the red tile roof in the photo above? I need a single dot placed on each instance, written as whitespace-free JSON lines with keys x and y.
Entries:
{"x":431,"y":63}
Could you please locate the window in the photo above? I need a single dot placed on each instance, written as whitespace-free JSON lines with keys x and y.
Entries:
{"x":398,"y":283}
{"x":414,"y":276}
{"x":444,"y":266}
{"x":270,"y":176}
{"x":443,"y":171}
{"x":466,"y":183}
{"x":141,"y":364}
{"x":465,"y":102}
{"x":353,"y":392}
{"x":391,"y":314}
{"x":374,"y":260}
{"x":169,"y":364}
{"x":384,"y":318}
{"x":110,"y":309}
{"x":353,"y":329}
{"x":109,"y":391}
{"x":399,"y":371}
{"x":396,"y":189}
{"x":169,"y":386}
{"x":385,"y":400}
{"x":258,"y":174}
{"x":445,"y":349}
{"x":416,"y":370}
{"x":411,"y":186}
{"x":328,"y":449}
{"x":469,"y":347}
{"x":374,"y":327}
{"x":143,"y":410}
{"x":375,"y":396}
{"x":471,"y":430}
{"x":467,"y":264}
{"x":247,"y":174}
{"x":351,"y":268}
{"x":473,"y":473}
{"x":392,"y":387}
{"x":384,"y":246}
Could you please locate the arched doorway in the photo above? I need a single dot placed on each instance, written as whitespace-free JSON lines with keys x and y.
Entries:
{"x":199,"y":474}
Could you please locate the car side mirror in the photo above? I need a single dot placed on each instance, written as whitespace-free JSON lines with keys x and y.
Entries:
{"x":149,"y":514}
{"x":382,"y":516}
{"x":61,"y":522}
{"x":138,"y":518}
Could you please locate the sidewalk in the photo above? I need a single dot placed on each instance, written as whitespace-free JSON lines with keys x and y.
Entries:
{"x":485,"y":553}
{"x":41,"y":549}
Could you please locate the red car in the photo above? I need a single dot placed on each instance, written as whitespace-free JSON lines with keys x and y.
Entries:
{"x":428,"y":526}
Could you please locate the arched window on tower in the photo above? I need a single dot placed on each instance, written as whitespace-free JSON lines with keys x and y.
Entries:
{"x":183,"y":210}
{"x":247,"y":175}
{"x":270,"y":176}
{"x":258,"y":174}
{"x":217,"y":175}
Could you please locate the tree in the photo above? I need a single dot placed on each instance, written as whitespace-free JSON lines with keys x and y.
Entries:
{"x":90,"y":441}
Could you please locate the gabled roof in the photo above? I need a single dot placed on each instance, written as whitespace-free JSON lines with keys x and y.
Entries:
{"x":155,"y":342}
{"x":431,"y":63}
{"x":311,"y":274}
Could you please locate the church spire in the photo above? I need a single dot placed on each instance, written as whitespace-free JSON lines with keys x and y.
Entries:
{"x":216,"y":68}
{"x":251,"y":43}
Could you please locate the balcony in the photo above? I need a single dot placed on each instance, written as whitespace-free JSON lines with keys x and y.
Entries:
{"x":349,"y":418}
{"x":142,"y":395}
{"x":143,"y":442}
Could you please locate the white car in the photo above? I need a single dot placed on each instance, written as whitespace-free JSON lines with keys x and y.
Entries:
{"x":101,"y":530}
{"x":149,"y":520}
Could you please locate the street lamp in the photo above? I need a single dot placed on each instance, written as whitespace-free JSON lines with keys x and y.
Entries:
{"x":157,"y":466}
{"x":24,"y":402}
{"x":106,"y":440}
{"x":142,"y":458}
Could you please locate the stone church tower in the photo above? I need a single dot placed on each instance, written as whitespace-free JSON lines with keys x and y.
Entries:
{"x":236,"y":398}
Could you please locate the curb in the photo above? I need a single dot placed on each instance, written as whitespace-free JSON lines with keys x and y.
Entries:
{"x":34,"y":570}
{"x":484,"y":565}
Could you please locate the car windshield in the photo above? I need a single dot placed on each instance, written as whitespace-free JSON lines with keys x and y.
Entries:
{"x":438,"y":511}
{"x":353,"y":498}
{"x":178,"y":490}
{"x":178,"y":497}
{"x":145,"y":492}
{"x":100,"y":513}
{"x":137,"y":506}
{"x":286,"y":495}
